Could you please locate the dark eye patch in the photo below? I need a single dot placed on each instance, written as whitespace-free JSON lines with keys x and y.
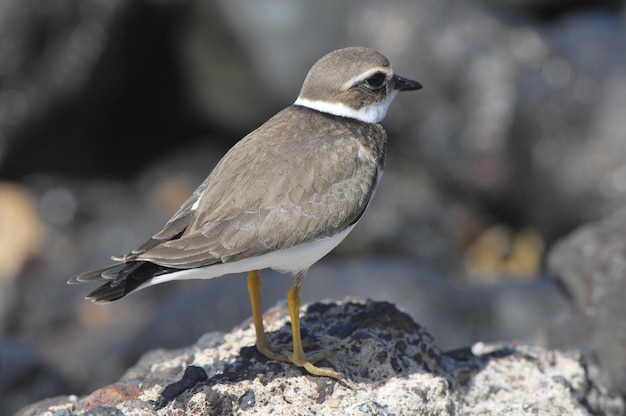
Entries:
{"x":376,"y":81}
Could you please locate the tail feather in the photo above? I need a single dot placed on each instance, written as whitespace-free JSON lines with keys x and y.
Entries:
{"x":117,"y":272}
{"x":120,"y":279}
{"x":107,"y":293}
{"x":92,"y":276}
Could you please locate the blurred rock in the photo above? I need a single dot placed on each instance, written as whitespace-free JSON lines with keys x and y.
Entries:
{"x":21,"y":230}
{"x":554,"y":9}
{"x":519,"y":124}
{"x":268,"y":29}
{"x":228,"y":79}
{"x":591,"y":266}
{"x":84,"y":84}
{"x":501,"y":251}
{"x":48,"y":55}
{"x":21,"y":236}
{"x":389,"y":362}
{"x":24,"y":377}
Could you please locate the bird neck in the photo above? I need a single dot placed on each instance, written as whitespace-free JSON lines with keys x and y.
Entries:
{"x":374,"y":113}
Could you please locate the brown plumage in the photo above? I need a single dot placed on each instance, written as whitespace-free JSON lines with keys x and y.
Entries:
{"x":282,"y":197}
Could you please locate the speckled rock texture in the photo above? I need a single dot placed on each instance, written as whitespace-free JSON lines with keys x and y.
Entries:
{"x":390,"y":363}
{"x":590,"y":264}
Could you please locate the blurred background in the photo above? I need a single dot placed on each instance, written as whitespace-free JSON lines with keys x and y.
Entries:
{"x":112,"y":112}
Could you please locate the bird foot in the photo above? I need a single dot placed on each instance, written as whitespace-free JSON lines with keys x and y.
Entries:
{"x":308,"y":363}
{"x":284,"y":352}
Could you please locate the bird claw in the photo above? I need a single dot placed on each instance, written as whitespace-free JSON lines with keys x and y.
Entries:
{"x":284,"y":352}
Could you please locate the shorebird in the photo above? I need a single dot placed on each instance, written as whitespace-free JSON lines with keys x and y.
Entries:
{"x":282,"y":197}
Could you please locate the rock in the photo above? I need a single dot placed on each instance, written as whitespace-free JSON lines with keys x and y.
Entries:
{"x":519,"y":124}
{"x":21,"y":235}
{"x":22,"y":230}
{"x":390,"y":363}
{"x":48,"y":56}
{"x":25,"y":377}
{"x":106,"y":337}
{"x":591,"y":264}
{"x":520,"y":119}
{"x":94,"y":82}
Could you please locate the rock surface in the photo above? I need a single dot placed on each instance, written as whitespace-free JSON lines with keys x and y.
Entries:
{"x":111,"y":112}
{"x":391,"y":367}
{"x":591,"y":265}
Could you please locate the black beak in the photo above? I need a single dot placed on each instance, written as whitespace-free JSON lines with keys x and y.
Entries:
{"x":403,"y":84}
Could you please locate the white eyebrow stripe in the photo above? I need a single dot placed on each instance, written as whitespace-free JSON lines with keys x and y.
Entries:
{"x":359,"y":78}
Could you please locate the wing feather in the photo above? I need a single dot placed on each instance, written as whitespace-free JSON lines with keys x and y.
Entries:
{"x":249,"y":207}
{"x":277,"y":188}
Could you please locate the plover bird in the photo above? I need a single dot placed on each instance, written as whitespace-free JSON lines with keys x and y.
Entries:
{"x":282,"y":197}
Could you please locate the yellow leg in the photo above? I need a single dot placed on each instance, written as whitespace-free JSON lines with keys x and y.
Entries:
{"x":298,"y":357}
{"x":255,"y":286}
{"x":280,"y":352}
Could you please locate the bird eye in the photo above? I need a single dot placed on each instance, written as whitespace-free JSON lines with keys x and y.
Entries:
{"x":376,"y":81}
